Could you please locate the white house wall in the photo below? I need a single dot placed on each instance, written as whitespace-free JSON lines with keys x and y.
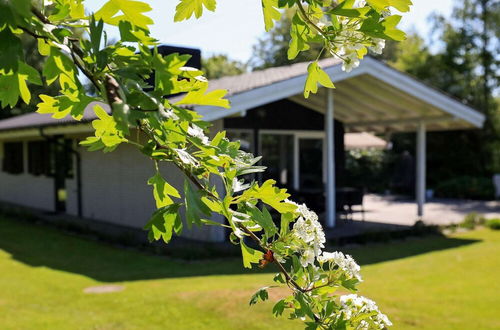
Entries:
{"x":26,"y":189}
{"x":114,"y":189}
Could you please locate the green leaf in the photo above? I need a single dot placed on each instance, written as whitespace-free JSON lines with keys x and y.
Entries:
{"x":263,"y":219}
{"x":96,"y":34}
{"x":15,"y":85}
{"x":379,"y":5}
{"x":261,"y":295}
{"x":43,"y":47}
{"x":385,"y":29}
{"x":345,"y":9}
{"x":401,"y":5}
{"x":164,"y":222}
{"x":390,"y":29}
{"x":186,"y":8}
{"x":194,"y":205}
{"x":269,"y":194}
{"x":22,"y":7}
{"x":271,"y":13}
{"x":132,"y":11}
{"x":198,"y":97}
{"x":63,"y":105}
{"x":279,"y":307}
{"x":162,"y":190}
{"x":316,"y":76}
{"x":59,"y":66}
{"x":132,"y":33}
{"x":107,"y":136}
{"x":299,"y":32}
{"x":250,"y":256}
{"x":12,"y":51}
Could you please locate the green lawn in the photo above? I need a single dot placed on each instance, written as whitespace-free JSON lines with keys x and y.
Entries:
{"x":433,"y":283}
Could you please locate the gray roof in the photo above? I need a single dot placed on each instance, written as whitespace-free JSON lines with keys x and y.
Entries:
{"x":234,"y":85}
{"x":256,"y":79}
{"x":31,"y":120}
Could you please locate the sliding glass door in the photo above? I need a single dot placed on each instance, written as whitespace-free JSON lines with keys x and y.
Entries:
{"x":277,"y":152}
{"x":310,"y":164}
{"x":294,"y":159}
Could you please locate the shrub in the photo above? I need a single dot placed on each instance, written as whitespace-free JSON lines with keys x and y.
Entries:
{"x":466,"y":187}
{"x":493,"y":223}
{"x":472,"y":220}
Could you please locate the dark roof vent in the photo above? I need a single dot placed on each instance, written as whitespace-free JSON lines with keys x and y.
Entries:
{"x":194,"y":61}
{"x":165,"y":50}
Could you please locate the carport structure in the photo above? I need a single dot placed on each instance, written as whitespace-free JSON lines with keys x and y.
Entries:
{"x":374,"y":97}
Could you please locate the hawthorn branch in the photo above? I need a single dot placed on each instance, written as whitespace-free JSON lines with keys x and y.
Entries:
{"x":278,"y":264}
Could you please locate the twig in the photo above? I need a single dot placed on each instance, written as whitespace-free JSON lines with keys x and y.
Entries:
{"x":278,"y":264}
{"x":40,"y":16}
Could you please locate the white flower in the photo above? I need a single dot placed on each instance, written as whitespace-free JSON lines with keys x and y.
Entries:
{"x":186,"y":158}
{"x":344,"y":262}
{"x":197,"y":131}
{"x":354,"y":305}
{"x":307,"y":257}
{"x":386,"y":12}
{"x":307,"y":213}
{"x":378,"y":45}
{"x":359,"y":4}
{"x":351,"y":62}
{"x":239,"y":185}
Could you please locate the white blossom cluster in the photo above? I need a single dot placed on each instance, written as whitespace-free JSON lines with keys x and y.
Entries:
{"x":354,"y":306}
{"x":308,"y":229}
{"x":196,"y":131}
{"x":350,"y":42}
{"x":344,"y":262}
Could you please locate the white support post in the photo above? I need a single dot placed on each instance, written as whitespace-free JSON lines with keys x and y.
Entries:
{"x":330,"y":161}
{"x":421,"y":168}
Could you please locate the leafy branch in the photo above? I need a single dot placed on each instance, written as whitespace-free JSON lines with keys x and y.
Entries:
{"x":171,"y":133}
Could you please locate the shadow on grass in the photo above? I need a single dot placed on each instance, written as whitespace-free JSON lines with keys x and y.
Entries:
{"x":42,"y":246}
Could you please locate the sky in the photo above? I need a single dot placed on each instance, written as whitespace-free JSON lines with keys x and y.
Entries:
{"x":237,"y":24}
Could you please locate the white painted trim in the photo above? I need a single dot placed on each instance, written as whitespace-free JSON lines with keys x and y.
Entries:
{"x":296,"y":163}
{"x":421,"y":169}
{"x":330,"y":155}
{"x":421,"y":91}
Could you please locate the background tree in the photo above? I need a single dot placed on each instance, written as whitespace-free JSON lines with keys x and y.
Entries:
{"x":464,"y":64}
{"x":217,"y":66}
{"x":271,"y":49}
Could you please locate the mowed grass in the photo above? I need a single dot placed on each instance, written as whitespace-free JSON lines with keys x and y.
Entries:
{"x":429,"y":283}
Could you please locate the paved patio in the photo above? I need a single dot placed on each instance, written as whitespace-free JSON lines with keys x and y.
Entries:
{"x":389,"y":213}
{"x":402,"y":211}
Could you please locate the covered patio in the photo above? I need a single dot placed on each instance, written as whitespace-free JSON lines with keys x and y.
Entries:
{"x":374,"y":98}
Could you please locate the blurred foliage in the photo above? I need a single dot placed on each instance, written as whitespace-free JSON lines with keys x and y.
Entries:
{"x":221,"y":65}
{"x":472,"y":220}
{"x":271,"y":49}
{"x":369,"y":168}
{"x":466,"y":66}
{"x":493,"y":223}
{"x":33,"y":58}
{"x":466,"y":187}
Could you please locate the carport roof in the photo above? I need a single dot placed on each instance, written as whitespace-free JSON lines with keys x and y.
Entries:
{"x":373,"y":97}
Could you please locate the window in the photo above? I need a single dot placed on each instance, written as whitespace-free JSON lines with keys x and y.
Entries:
{"x":51,"y":157}
{"x":63,"y":158}
{"x":39,"y":158}
{"x":277,"y":155}
{"x":13,"y":159}
{"x":245,"y":137}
